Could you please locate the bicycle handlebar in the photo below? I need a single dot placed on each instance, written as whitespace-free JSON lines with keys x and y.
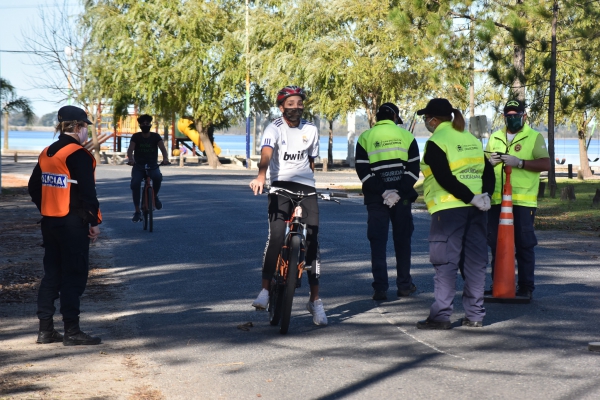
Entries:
{"x":302,"y":195}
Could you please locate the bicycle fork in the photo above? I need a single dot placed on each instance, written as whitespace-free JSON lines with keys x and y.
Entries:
{"x":293,"y":227}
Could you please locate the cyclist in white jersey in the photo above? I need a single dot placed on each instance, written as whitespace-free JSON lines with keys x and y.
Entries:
{"x":289,"y":146}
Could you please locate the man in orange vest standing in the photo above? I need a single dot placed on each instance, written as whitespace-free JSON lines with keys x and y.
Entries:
{"x":63,"y":188}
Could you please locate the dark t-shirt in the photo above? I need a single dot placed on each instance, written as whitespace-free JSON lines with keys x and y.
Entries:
{"x":146,"y":149}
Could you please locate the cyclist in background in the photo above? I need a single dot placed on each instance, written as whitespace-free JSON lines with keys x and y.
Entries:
{"x":289,"y":146}
{"x":142,"y":151}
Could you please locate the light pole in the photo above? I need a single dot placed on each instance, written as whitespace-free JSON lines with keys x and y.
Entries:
{"x":247,"y":90}
{"x":69,"y":53}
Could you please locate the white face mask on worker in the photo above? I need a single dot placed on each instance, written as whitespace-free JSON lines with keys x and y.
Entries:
{"x":83,"y":135}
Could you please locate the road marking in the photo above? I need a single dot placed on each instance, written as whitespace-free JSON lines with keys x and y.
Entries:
{"x":382,"y":312}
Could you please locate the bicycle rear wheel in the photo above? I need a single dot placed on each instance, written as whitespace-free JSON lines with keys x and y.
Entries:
{"x":150,"y":208}
{"x":144,"y":205}
{"x":290,"y":287}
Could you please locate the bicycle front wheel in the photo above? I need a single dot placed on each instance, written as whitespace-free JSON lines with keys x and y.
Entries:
{"x":275,"y":303}
{"x":290,"y":287}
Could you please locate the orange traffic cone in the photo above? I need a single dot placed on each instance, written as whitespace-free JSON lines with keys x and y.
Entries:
{"x":504,"y":269}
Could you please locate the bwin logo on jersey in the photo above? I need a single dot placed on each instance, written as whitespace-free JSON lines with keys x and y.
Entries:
{"x":54,"y":180}
{"x":293,"y":157}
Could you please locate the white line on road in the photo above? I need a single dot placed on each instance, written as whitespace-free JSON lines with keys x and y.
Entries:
{"x":382,"y":312}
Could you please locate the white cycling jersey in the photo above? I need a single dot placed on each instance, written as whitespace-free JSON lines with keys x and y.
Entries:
{"x":292,"y":148}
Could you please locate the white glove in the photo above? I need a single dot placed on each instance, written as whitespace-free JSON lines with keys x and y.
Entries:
{"x":488,"y":202}
{"x":510,"y":160}
{"x":480,"y":202}
{"x":388,"y":192}
{"x":391,"y":200}
{"x":495,"y":159}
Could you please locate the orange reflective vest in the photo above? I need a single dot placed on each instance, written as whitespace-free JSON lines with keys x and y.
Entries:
{"x":56,"y":181}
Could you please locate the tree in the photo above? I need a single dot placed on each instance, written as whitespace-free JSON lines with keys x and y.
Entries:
{"x":10,"y":102}
{"x":183,"y":56}
{"x":61,"y":49}
{"x":49,"y":119}
{"x":18,"y":119}
{"x":520,"y":58}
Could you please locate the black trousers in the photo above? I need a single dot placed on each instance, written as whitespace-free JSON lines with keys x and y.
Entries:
{"x":66,"y":261}
{"x":137,"y":176}
{"x":280,"y":210}
{"x":378,"y":225}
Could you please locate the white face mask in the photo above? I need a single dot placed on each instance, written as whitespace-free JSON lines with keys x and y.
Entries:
{"x":429,"y":127}
{"x":83,"y":135}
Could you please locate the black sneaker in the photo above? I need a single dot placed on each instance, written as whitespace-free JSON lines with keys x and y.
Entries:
{"x":471,"y":324}
{"x":407,"y":292}
{"x":52,"y":336}
{"x":524,"y":293}
{"x":80,"y":339}
{"x":380,"y":295}
{"x":137,"y":217}
{"x":157,"y":203}
{"x":429,"y":324}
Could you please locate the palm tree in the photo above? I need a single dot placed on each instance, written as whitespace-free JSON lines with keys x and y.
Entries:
{"x":9,"y":102}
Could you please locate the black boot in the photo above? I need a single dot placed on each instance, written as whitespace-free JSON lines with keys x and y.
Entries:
{"x":75,"y":337}
{"x":47,"y":333}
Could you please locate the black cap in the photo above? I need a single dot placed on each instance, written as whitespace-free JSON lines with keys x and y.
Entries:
{"x":437,"y":108}
{"x":72,"y":113}
{"x":389,"y":109}
{"x":144,"y":118}
{"x":514,"y":105}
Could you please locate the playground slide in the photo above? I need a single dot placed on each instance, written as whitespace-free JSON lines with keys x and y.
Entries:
{"x":184,"y":127}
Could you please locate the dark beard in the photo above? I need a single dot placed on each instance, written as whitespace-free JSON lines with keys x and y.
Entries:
{"x":145,"y":129}
{"x":293,"y":114}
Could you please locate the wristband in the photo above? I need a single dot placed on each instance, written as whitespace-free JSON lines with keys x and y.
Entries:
{"x":521,"y":164}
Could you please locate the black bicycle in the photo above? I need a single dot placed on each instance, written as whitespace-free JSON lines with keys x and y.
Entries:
{"x":290,"y":263}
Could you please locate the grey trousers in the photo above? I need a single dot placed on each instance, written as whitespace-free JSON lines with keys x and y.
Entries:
{"x":457,"y":237}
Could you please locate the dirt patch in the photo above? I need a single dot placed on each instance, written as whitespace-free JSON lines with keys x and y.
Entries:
{"x":115,"y":369}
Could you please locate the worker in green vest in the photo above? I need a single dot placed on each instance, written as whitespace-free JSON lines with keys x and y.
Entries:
{"x":524,"y":149}
{"x":387,"y":163}
{"x":458,"y":179}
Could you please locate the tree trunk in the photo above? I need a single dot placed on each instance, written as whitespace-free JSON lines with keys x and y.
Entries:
{"x":584,"y":164}
{"x":551,"y":103}
{"x":6,"y":130}
{"x":596,"y":199}
{"x":330,"y":148}
{"x":371,"y":104}
{"x":471,"y":72}
{"x":213,"y":159}
{"x":568,"y":193}
{"x":518,"y":86}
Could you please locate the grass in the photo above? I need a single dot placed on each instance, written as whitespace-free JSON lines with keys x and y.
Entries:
{"x":555,"y":214}
{"x":575,"y":215}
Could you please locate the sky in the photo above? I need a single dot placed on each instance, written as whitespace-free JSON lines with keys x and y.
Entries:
{"x":16,"y":17}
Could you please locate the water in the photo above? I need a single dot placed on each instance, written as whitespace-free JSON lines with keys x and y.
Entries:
{"x":236,"y":145}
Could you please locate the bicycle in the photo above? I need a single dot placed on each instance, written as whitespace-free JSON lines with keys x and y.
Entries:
{"x":290,"y":263}
{"x":147,"y":204}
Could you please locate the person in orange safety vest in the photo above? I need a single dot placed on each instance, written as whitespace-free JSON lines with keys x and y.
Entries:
{"x":63,"y":188}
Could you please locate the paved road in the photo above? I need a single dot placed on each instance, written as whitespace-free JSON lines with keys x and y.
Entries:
{"x":192,"y":282}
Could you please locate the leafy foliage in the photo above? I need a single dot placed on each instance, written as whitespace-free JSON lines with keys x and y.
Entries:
{"x":10,"y":102}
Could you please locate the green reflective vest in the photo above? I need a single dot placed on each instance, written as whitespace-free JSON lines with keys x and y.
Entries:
{"x":465,"y":158}
{"x":386,"y":141}
{"x":524,"y":183}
